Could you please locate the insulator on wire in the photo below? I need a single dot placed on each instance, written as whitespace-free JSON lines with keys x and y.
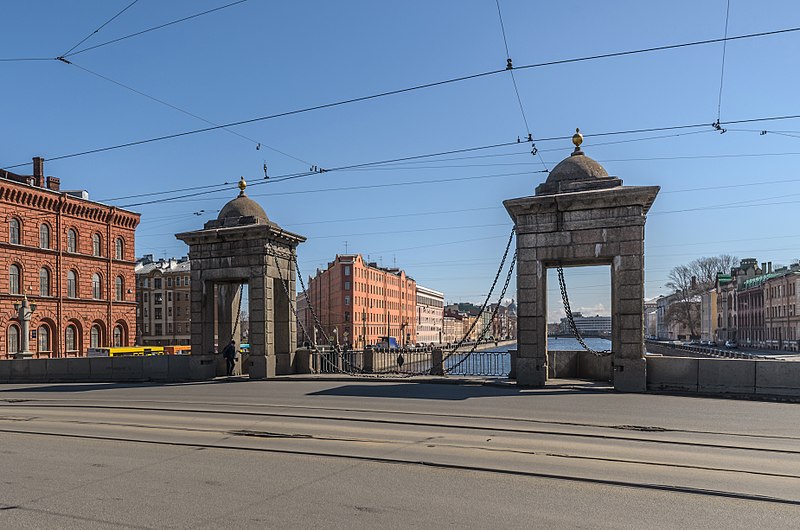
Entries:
{"x":509,"y":64}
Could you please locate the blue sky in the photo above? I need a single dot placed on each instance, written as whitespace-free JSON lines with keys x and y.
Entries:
{"x":721,"y":193}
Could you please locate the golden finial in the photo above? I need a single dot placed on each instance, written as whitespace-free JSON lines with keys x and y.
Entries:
{"x":242,"y":184}
{"x":577,"y":138}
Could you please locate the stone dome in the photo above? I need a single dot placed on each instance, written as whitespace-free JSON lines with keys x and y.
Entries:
{"x":242,"y":206}
{"x":577,"y":172}
{"x":577,"y":166}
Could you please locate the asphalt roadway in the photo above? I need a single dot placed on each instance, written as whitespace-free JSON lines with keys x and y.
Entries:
{"x":232,"y":453}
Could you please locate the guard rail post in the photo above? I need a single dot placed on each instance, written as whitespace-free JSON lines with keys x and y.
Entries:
{"x":369,"y":360}
{"x":437,"y":362}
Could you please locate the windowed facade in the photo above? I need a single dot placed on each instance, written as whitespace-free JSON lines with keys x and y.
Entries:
{"x":14,"y":231}
{"x":97,"y":287}
{"x":43,"y":339}
{"x":44,"y":282}
{"x":40,"y":219}
{"x":95,"y":337}
{"x":118,"y":336}
{"x":97,"y":245}
{"x":119,"y":289}
{"x":14,"y":279}
{"x":44,"y":235}
{"x":71,"y":339}
{"x":72,"y":284}
{"x":72,"y":241}
{"x":13,"y":339}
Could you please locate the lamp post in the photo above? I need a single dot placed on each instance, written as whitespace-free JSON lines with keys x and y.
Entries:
{"x":24,"y":312}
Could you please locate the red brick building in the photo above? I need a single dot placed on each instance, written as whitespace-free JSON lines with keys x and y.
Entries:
{"x":73,"y":258}
{"x":362,"y":302}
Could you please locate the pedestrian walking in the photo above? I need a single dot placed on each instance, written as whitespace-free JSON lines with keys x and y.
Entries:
{"x":229,"y":353}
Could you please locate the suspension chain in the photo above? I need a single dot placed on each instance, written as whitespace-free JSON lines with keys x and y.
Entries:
{"x":488,"y":324}
{"x":571,"y":319}
{"x":489,"y":295}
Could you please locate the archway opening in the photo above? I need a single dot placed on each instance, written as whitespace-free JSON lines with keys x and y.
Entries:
{"x":588,"y":294}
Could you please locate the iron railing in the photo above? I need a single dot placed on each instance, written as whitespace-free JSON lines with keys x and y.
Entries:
{"x":410,"y":362}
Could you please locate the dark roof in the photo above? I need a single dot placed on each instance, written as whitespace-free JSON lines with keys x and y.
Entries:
{"x":242,"y":206}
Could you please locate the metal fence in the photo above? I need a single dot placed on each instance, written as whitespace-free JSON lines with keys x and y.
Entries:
{"x":411,"y":362}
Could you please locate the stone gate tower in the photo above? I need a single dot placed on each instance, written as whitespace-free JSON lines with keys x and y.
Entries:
{"x":242,"y":246}
{"x":580,"y":216}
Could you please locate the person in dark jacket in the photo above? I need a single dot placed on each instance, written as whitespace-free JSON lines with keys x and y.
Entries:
{"x":229,"y":353}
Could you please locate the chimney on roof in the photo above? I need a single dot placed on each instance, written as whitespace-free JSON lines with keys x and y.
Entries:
{"x":769,"y":267}
{"x":38,"y":171}
{"x":54,"y":183}
{"x":763,"y":267}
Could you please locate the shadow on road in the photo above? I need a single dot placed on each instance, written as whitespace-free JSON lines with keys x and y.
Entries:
{"x":449,"y":392}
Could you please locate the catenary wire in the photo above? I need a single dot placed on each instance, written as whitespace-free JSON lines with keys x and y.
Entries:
{"x":722,"y":69}
{"x":258,"y":143}
{"x":445,"y":82}
{"x":154,"y":28}
{"x":87,"y":37}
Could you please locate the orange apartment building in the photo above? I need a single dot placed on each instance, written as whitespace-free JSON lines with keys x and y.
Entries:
{"x":358,"y":303}
{"x":73,"y":258}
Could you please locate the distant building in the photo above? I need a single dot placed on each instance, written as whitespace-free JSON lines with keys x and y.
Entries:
{"x":596,"y":326}
{"x":452,"y":329}
{"x":727,"y":286}
{"x":163,"y":314}
{"x":651,"y":318}
{"x":357,"y":303}
{"x":708,"y":315}
{"x":781,"y":318}
{"x":430,"y":316}
{"x":70,"y":256}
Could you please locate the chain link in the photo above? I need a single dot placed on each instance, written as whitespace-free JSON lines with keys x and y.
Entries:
{"x":571,"y":320}
{"x":489,"y":323}
{"x":488,"y":296}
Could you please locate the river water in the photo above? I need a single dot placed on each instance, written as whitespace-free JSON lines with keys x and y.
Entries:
{"x":497,"y":361}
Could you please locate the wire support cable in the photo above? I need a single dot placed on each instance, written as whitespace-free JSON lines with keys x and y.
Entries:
{"x":255,"y":142}
{"x":722,"y":69}
{"x":154,"y":28}
{"x":431,"y":85}
{"x":107,"y":22}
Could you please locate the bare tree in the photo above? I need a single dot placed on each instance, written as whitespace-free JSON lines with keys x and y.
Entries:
{"x":689,"y":282}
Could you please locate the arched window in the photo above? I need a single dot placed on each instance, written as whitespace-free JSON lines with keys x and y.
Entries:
{"x":95,"y":337}
{"x":72,"y":240}
{"x":72,"y":284}
{"x":70,"y":339}
{"x":43,"y":339}
{"x":96,"y":245}
{"x":13,"y":339}
{"x":44,"y":236}
{"x":44,"y":282}
{"x":119,"y":289}
{"x":118,"y":336}
{"x":14,"y":277}
{"x":97,"y":289}
{"x":14,"y":231}
{"x":119,"y":248}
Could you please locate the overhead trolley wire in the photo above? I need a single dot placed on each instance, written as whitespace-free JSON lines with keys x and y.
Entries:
{"x":148,"y":30}
{"x":87,"y":37}
{"x":431,"y":85}
{"x":510,"y":69}
{"x":184,"y":111}
{"x":722,"y":69}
